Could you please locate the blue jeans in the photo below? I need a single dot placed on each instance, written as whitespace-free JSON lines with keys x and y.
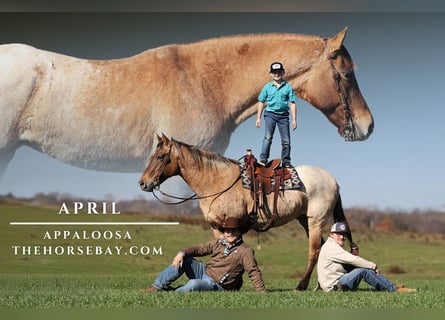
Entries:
{"x":195,"y":271}
{"x":352,"y":279}
{"x":271,"y":120}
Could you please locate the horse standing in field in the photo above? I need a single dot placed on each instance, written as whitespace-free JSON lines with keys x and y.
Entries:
{"x":104,"y":115}
{"x":217,"y":184}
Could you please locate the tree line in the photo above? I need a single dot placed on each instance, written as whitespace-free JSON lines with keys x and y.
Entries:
{"x":388,"y":220}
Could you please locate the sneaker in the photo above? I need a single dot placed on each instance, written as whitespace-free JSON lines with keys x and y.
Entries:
{"x":262,"y":163}
{"x":339,"y":287}
{"x":288,"y":165}
{"x":342,"y":287}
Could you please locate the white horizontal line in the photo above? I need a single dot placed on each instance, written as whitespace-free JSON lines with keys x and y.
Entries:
{"x":93,"y":223}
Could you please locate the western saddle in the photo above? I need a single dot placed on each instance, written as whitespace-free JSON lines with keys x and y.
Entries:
{"x":265,"y":180}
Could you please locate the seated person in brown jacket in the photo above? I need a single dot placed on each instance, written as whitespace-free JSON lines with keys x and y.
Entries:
{"x":230,"y":256}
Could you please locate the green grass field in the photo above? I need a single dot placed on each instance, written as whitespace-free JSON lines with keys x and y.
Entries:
{"x":32,"y":278}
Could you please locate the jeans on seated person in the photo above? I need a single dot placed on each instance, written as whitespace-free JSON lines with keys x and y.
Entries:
{"x":195,"y":271}
{"x":351,"y":280}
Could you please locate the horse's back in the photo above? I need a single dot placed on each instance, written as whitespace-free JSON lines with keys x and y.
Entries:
{"x":18,"y":57}
{"x":30,"y":90}
{"x":19,"y":65}
{"x":318,"y":183}
{"x":17,"y":81}
{"x":15,"y":56}
{"x":15,"y":48}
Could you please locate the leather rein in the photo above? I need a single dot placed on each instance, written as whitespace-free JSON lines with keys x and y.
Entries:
{"x":165,"y":161}
{"x":193,"y":196}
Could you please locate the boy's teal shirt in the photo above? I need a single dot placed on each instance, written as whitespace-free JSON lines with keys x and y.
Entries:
{"x":277,"y":98}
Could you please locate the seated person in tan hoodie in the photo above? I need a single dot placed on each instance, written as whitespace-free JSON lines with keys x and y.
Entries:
{"x":340,"y":270}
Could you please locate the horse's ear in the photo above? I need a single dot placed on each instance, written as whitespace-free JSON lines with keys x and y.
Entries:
{"x":164,"y":138}
{"x":159,"y":138}
{"x":335,"y":43}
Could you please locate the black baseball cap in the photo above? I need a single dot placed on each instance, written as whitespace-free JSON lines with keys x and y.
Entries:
{"x":276,"y":66}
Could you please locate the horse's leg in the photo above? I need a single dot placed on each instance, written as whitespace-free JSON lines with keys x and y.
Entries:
{"x":303,"y":221}
{"x":314,"y":228}
{"x":314,"y":231}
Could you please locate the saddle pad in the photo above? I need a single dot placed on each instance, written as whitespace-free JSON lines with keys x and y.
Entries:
{"x":293,"y":183}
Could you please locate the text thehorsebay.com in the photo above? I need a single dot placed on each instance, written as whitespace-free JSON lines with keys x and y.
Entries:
{"x":86,"y":238}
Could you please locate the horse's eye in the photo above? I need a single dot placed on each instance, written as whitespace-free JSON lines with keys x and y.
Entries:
{"x":160,"y":157}
{"x":347,"y":74}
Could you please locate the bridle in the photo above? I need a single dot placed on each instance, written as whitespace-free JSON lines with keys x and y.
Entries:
{"x":165,"y":161}
{"x":346,"y":126}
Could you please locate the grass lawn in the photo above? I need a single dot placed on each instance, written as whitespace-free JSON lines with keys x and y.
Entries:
{"x":43,"y":281}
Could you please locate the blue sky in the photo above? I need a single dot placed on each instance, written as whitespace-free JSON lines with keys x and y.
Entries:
{"x":400,"y":73}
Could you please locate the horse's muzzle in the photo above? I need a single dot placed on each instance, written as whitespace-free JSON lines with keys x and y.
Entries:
{"x":350,"y":132}
{"x":148,"y":187}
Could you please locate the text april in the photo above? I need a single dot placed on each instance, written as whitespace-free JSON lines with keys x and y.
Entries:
{"x":89,"y":208}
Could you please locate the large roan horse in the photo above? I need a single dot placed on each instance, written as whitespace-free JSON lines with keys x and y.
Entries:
{"x":216,"y":182}
{"x":104,"y":115}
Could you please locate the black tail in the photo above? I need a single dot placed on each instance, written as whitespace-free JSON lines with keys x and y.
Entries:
{"x":339,"y":216}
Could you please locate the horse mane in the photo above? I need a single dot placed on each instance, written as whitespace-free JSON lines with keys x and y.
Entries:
{"x":205,"y":159}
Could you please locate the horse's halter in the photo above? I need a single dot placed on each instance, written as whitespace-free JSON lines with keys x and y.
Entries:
{"x":346,"y":126}
{"x":165,"y":162}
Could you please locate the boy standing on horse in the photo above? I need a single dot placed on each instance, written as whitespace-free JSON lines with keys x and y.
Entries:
{"x":277,"y":97}
{"x":230,"y":257}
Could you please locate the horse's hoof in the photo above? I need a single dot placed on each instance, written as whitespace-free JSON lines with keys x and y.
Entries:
{"x":300,"y":288}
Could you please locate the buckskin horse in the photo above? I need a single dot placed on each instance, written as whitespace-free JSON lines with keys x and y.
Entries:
{"x":104,"y":115}
{"x":216,"y":182}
